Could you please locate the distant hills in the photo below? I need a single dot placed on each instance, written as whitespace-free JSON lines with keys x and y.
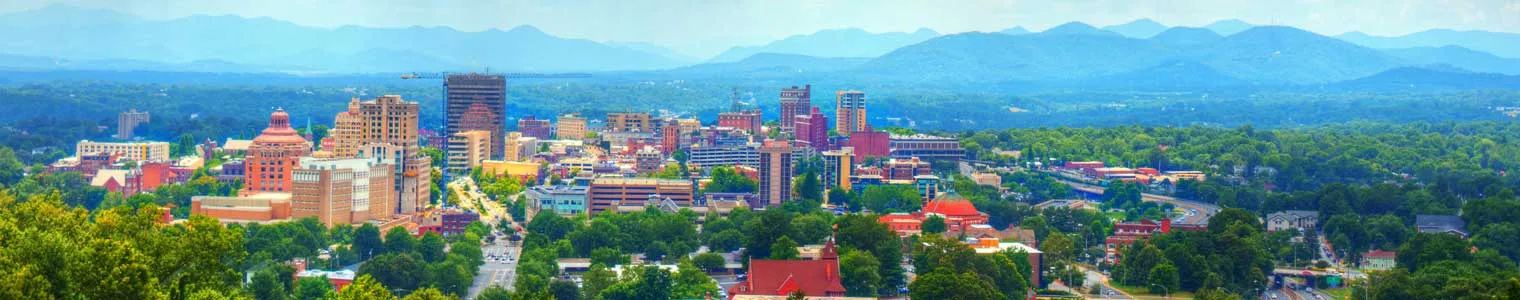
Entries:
{"x":848,"y":42}
{"x":1140,"y":53}
{"x":1498,"y":43}
{"x":275,"y":45}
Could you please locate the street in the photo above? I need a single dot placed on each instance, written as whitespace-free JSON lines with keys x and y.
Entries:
{"x":1107,"y":292}
{"x":500,"y":267}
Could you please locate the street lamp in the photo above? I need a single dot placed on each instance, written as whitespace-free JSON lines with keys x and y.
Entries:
{"x":1166,"y":293}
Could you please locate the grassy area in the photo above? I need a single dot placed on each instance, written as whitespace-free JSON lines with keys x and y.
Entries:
{"x":1145,"y":293}
{"x":1340,"y":293}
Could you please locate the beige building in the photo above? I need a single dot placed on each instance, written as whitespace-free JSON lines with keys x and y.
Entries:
{"x":570,"y":127}
{"x":126,"y":123}
{"x":467,"y":149}
{"x":849,"y":111}
{"x":136,"y":151}
{"x":256,"y":208}
{"x":837,"y":168}
{"x":348,"y":131}
{"x":390,"y":136}
{"x":342,"y":191}
{"x":629,"y":122}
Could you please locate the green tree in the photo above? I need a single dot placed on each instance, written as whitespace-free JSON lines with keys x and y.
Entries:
{"x":726,"y":240}
{"x":266,"y":286}
{"x":1163,"y":278}
{"x":428,"y":294}
{"x":784,"y":248}
{"x":809,"y":229}
{"x":934,"y":224}
{"x":564,"y":290}
{"x":364,"y":288}
{"x":401,"y":271}
{"x":398,"y":240}
{"x":859,"y":274}
{"x":431,"y":247}
{"x":764,"y":230}
{"x":946,"y":285}
{"x":689,"y":282}
{"x":596,"y":279}
{"x":726,"y":180}
{"x":313,"y":288}
{"x":711,"y":262}
{"x":808,"y":187}
{"x":608,"y":256}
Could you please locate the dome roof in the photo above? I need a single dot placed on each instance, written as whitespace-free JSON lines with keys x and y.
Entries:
{"x":951,"y":206}
{"x":279,"y":131}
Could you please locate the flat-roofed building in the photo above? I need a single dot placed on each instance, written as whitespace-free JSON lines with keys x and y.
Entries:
{"x":467,"y":149}
{"x":905,"y":169}
{"x":571,"y":127}
{"x":776,"y":161}
{"x":927,"y":147}
{"x":136,"y":151}
{"x":530,"y":126}
{"x":608,"y":193}
{"x":255,"y":208}
{"x":562,"y":200}
{"x":838,"y":166}
{"x":342,"y":191}
{"x":629,"y":122}
{"x":849,"y":111}
{"x":467,"y":90}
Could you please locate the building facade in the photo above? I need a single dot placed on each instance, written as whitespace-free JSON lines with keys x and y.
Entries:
{"x":274,"y":155}
{"x":905,"y":169}
{"x":135,"y":151}
{"x":794,"y":101}
{"x":608,"y":193}
{"x":648,"y":160}
{"x":838,"y":165}
{"x":348,"y":131}
{"x":467,"y":90}
{"x":629,"y":122}
{"x":391,"y":135}
{"x":850,"y":111}
{"x":127,"y":121}
{"x":870,"y":143}
{"x":341,"y":191}
{"x":530,"y":126}
{"x":561,"y":199}
{"x":709,"y":157}
{"x":776,"y":161}
{"x":571,"y":127}
{"x":749,"y":121}
{"x":927,"y":147}
{"x":467,"y":149}
{"x":812,"y":130}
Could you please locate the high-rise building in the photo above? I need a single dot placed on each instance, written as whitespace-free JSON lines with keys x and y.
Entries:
{"x":391,"y":136}
{"x":136,"y":151}
{"x":629,"y":122}
{"x":341,"y":191}
{"x":466,"y":90}
{"x":126,"y":123}
{"x":571,"y":127}
{"x":478,"y":117}
{"x":838,"y":165}
{"x":530,"y":126}
{"x":274,"y":154}
{"x":794,"y":101}
{"x":812,"y":130}
{"x":348,"y":131}
{"x":849,"y":111}
{"x":776,"y":172}
{"x":749,"y":121}
{"x":467,"y":149}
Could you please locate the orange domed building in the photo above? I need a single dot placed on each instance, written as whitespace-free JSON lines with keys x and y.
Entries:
{"x":959,"y":214}
{"x":274,"y":154}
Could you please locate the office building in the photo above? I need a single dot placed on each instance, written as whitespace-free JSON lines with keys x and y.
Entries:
{"x":466,"y":90}
{"x":342,"y":191}
{"x":749,"y":121}
{"x":838,"y":165}
{"x":812,"y":130}
{"x":135,"y":151}
{"x":127,"y":121}
{"x":391,"y":136}
{"x":727,"y":156}
{"x":467,"y":149}
{"x":671,"y":137}
{"x":513,"y":150}
{"x":905,"y":169}
{"x":794,"y":102}
{"x":562,"y":200}
{"x":648,"y":160}
{"x":348,"y":132}
{"x":849,"y":111}
{"x":533,"y":127}
{"x":927,"y":147}
{"x":571,"y":127}
{"x":776,"y":162}
{"x":254,"y":208}
{"x":609,"y":193}
{"x":629,"y":122}
{"x":274,"y":154}
{"x":870,"y":143}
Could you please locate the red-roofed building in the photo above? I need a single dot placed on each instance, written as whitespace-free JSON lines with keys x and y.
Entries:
{"x":813,"y":278}
{"x":959,"y":214}
{"x":1128,"y":233}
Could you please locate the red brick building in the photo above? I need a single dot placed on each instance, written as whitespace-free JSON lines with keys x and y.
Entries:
{"x":530,"y":126}
{"x":794,"y":102}
{"x":959,"y":215}
{"x":870,"y":143}
{"x":749,"y":121}
{"x":812,"y":130}
{"x":275,"y":153}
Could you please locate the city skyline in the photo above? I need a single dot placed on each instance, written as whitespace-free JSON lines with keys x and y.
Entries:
{"x":702,"y":29}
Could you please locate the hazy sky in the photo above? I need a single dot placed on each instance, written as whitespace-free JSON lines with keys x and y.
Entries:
{"x":704,"y":27}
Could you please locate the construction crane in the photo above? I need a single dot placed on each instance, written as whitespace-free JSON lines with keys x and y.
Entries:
{"x":443,"y":105}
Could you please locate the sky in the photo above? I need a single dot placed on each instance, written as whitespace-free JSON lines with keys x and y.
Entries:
{"x":703,"y":28}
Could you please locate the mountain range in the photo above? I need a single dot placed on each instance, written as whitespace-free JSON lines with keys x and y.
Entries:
{"x":1227,"y":52}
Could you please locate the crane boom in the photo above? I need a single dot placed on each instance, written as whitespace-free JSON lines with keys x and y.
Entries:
{"x":442,"y":75}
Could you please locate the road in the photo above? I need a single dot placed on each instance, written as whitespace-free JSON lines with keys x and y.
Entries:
{"x":1197,"y":213}
{"x":1107,"y":292}
{"x":501,"y":257}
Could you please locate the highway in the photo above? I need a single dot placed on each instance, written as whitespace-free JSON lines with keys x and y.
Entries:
{"x":1197,"y":213}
